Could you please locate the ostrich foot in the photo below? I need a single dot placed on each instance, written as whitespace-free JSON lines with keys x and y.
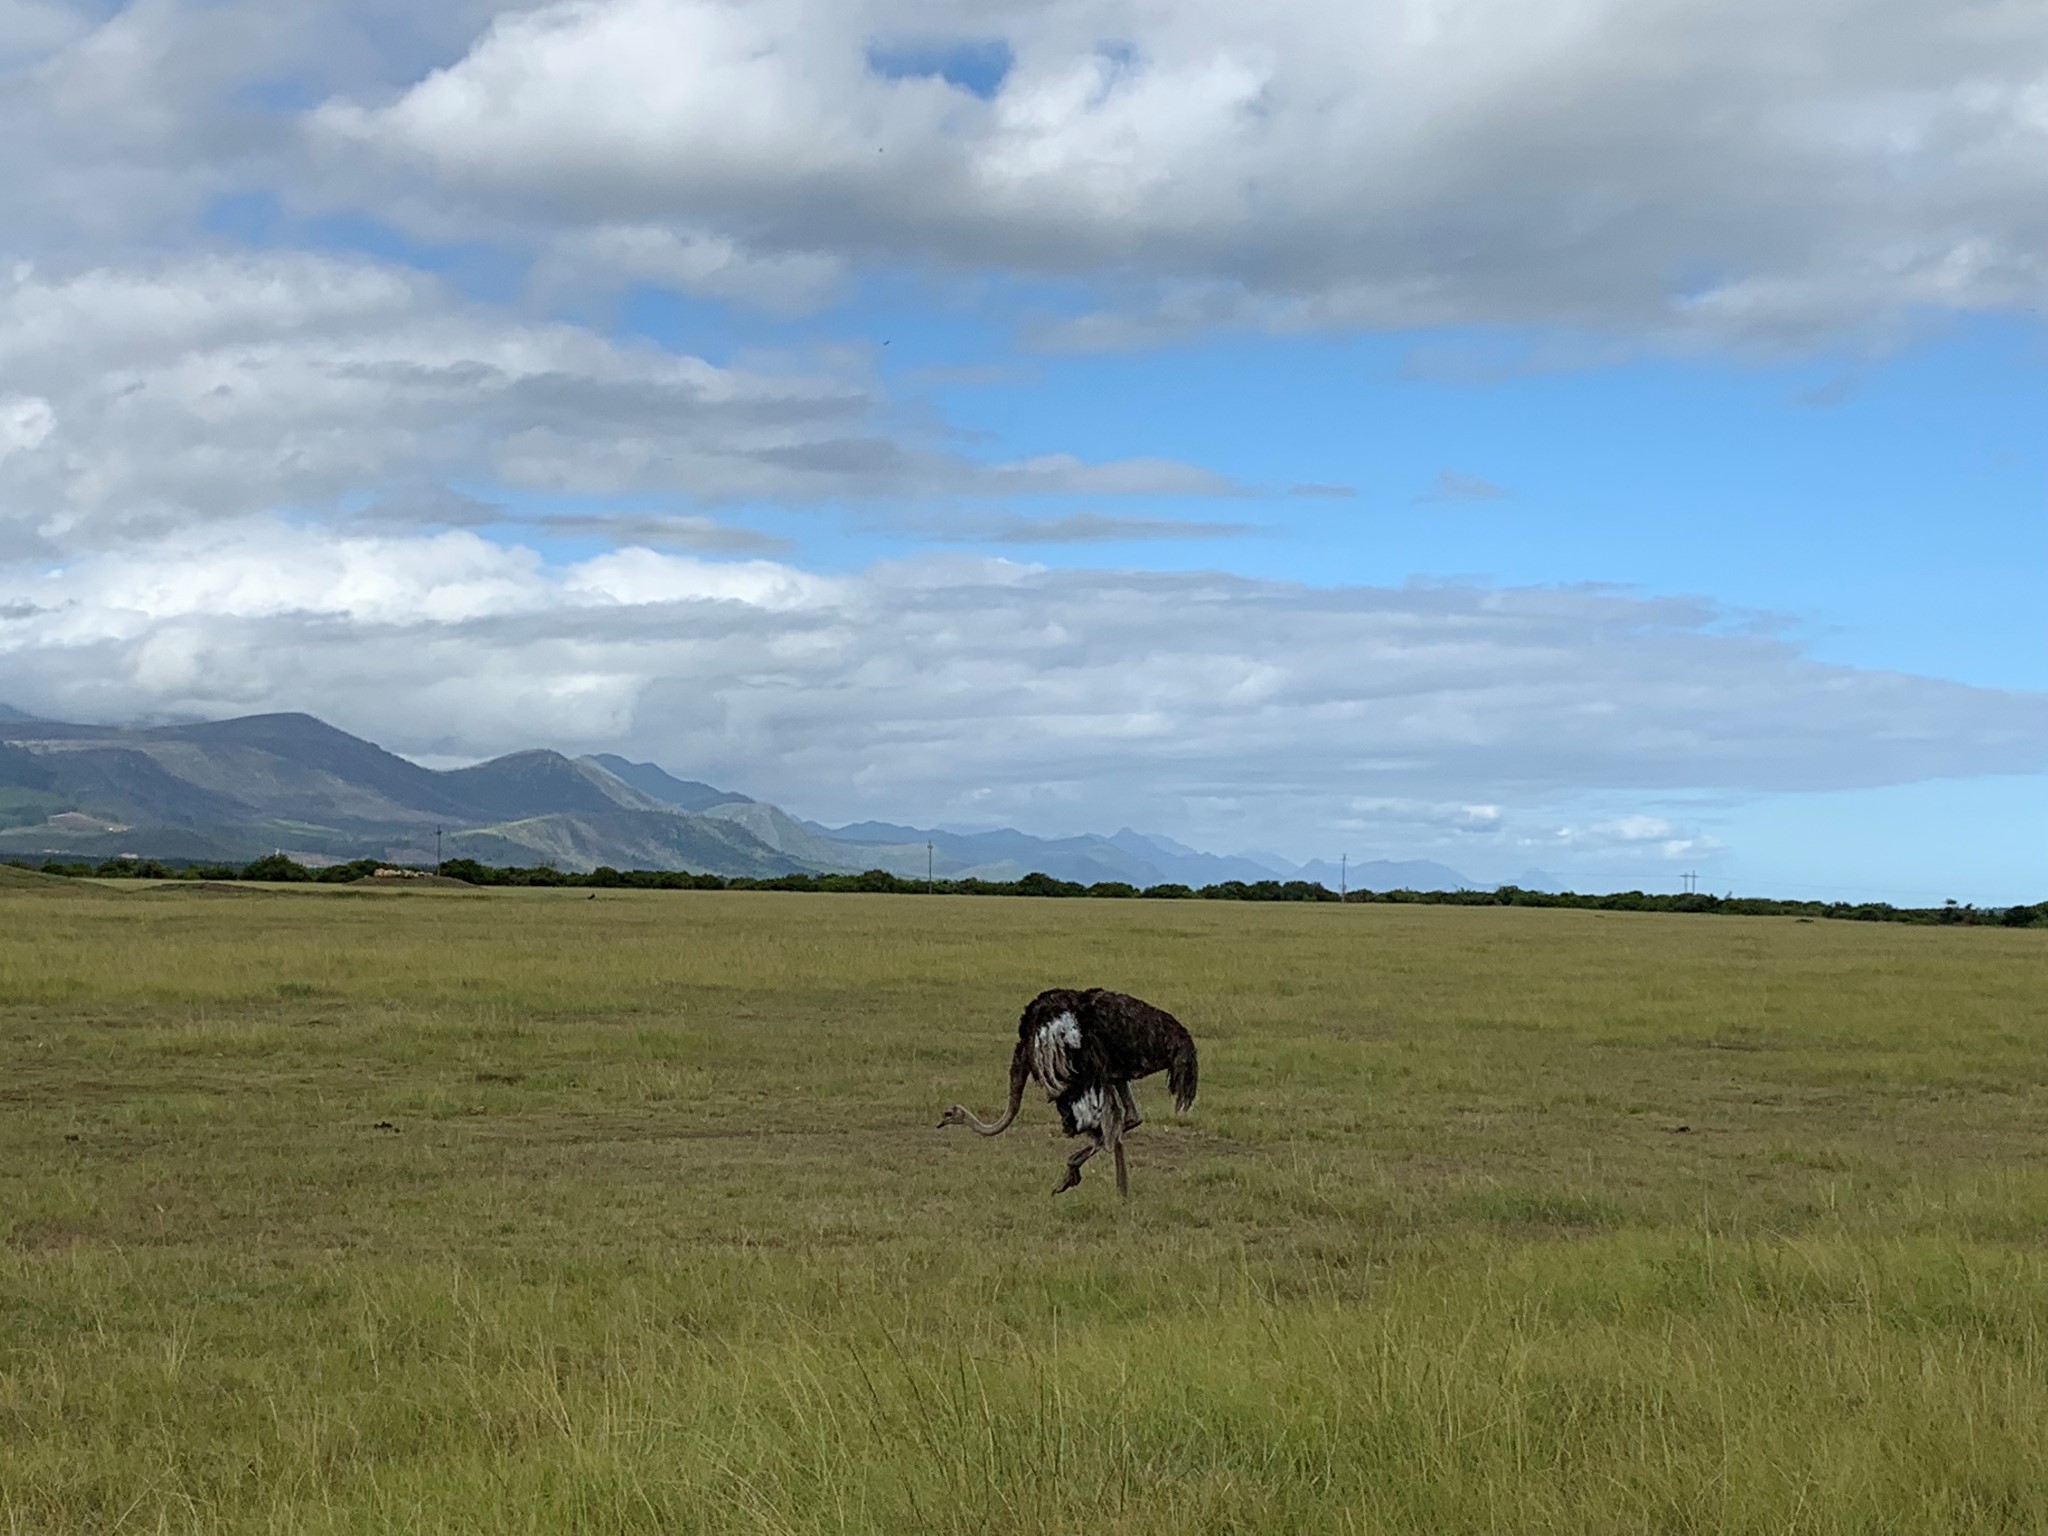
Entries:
{"x":1074,"y":1167}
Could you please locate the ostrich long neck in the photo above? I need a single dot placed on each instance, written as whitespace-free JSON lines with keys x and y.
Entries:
{"x":1020,"y":1074}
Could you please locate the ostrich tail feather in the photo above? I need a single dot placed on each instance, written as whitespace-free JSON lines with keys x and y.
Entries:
{"x":1181,"y":1076}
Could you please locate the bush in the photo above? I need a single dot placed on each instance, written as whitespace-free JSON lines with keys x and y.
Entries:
{"x":132,"y":869}
{"x":341,"y":874}
{"x":276,"y":866}
{"x":1303,"y":890}
{"x":1036,"y":884}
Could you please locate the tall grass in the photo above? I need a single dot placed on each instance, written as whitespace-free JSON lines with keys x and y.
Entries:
{"x":525,"y":1212}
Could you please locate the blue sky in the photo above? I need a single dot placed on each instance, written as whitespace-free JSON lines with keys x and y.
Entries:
{"x":1534,"y":437}
{"x":1891,"y":510}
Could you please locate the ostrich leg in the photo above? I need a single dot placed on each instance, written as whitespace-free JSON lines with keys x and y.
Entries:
{"x":1132,"y":1119}
{"x":1106,"y":1132}
{"x":1113,"y":1128}
{"x":1093,"y":1146}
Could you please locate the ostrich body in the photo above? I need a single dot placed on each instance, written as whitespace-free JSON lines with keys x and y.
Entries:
{"x":1085,"y":1049}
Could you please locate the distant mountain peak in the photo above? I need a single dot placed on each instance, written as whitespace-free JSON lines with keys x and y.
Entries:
{"x":1152,"y":841}
{"x":282,"y":722}
{"x":652,"y":779}
{"x":540,"y":781}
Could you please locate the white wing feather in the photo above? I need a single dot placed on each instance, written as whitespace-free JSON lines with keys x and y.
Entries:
{"x":1052,"y":1051}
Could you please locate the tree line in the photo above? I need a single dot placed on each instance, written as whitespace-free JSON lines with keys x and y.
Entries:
{"x":278,"y":867}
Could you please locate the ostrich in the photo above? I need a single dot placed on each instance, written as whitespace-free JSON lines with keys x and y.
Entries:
{"x":1084,"y":1049}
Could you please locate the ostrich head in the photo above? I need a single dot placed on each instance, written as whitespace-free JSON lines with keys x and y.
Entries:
{"x":957,"y":1115}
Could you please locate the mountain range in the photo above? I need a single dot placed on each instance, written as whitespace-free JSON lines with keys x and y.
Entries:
{"x":234,"y":790}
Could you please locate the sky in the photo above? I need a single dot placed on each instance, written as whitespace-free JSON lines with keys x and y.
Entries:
{"x":1589,"y":439}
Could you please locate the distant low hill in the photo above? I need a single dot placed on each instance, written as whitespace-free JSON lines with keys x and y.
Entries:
{"x":1131,"y":857}
{"x":234,"y":790}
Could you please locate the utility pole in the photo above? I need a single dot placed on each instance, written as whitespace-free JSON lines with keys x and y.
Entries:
{"x":1344,"y":877}
{"x":437,"y":850}
{"x":927,"y":869}
{"x":1691,"y":879}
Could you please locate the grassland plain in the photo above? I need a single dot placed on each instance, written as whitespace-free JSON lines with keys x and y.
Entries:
{"x":1487,"y":1220}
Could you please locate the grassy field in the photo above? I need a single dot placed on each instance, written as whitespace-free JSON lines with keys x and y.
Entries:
{"x":1487,"y":1220}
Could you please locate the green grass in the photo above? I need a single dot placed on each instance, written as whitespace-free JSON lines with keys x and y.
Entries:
{"x":663,"y":1238}
{"x":16,"y":879}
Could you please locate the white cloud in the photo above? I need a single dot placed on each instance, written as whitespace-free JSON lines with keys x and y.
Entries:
{"x":25,"y":421}
{"x":1693,"y":168}
{"x":32,"y":29}
{"x":1378,"y":812}
{"x":126,"y":121}
{"x":1629,"y":838}
{"x":711,"y":266}
{"x":1238,"y":711}
{"x":645,"y":578}
{"x":221,"y":386}
{"x":661,"y":531}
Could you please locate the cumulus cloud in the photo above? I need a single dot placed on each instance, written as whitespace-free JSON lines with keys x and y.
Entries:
{"x":1695,"y":170}
{"x":25,"y":420}
{"x":1376,"y":814}
{"x":131,"y":120}
{"x":1630,"y":837}
{"x":150,"y":396}
{"x":691,"y":261}
{"x":662,"y":531}
{"x":1225,"y":707}
{"x":31,"y":29}
{"x":1698,"y":168}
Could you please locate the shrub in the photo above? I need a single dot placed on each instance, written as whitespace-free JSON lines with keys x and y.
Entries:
{"x":132,"y":869}
{"x":1036,"y":884}
{"x":276,"y":866}
{"x":341,"y":874}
